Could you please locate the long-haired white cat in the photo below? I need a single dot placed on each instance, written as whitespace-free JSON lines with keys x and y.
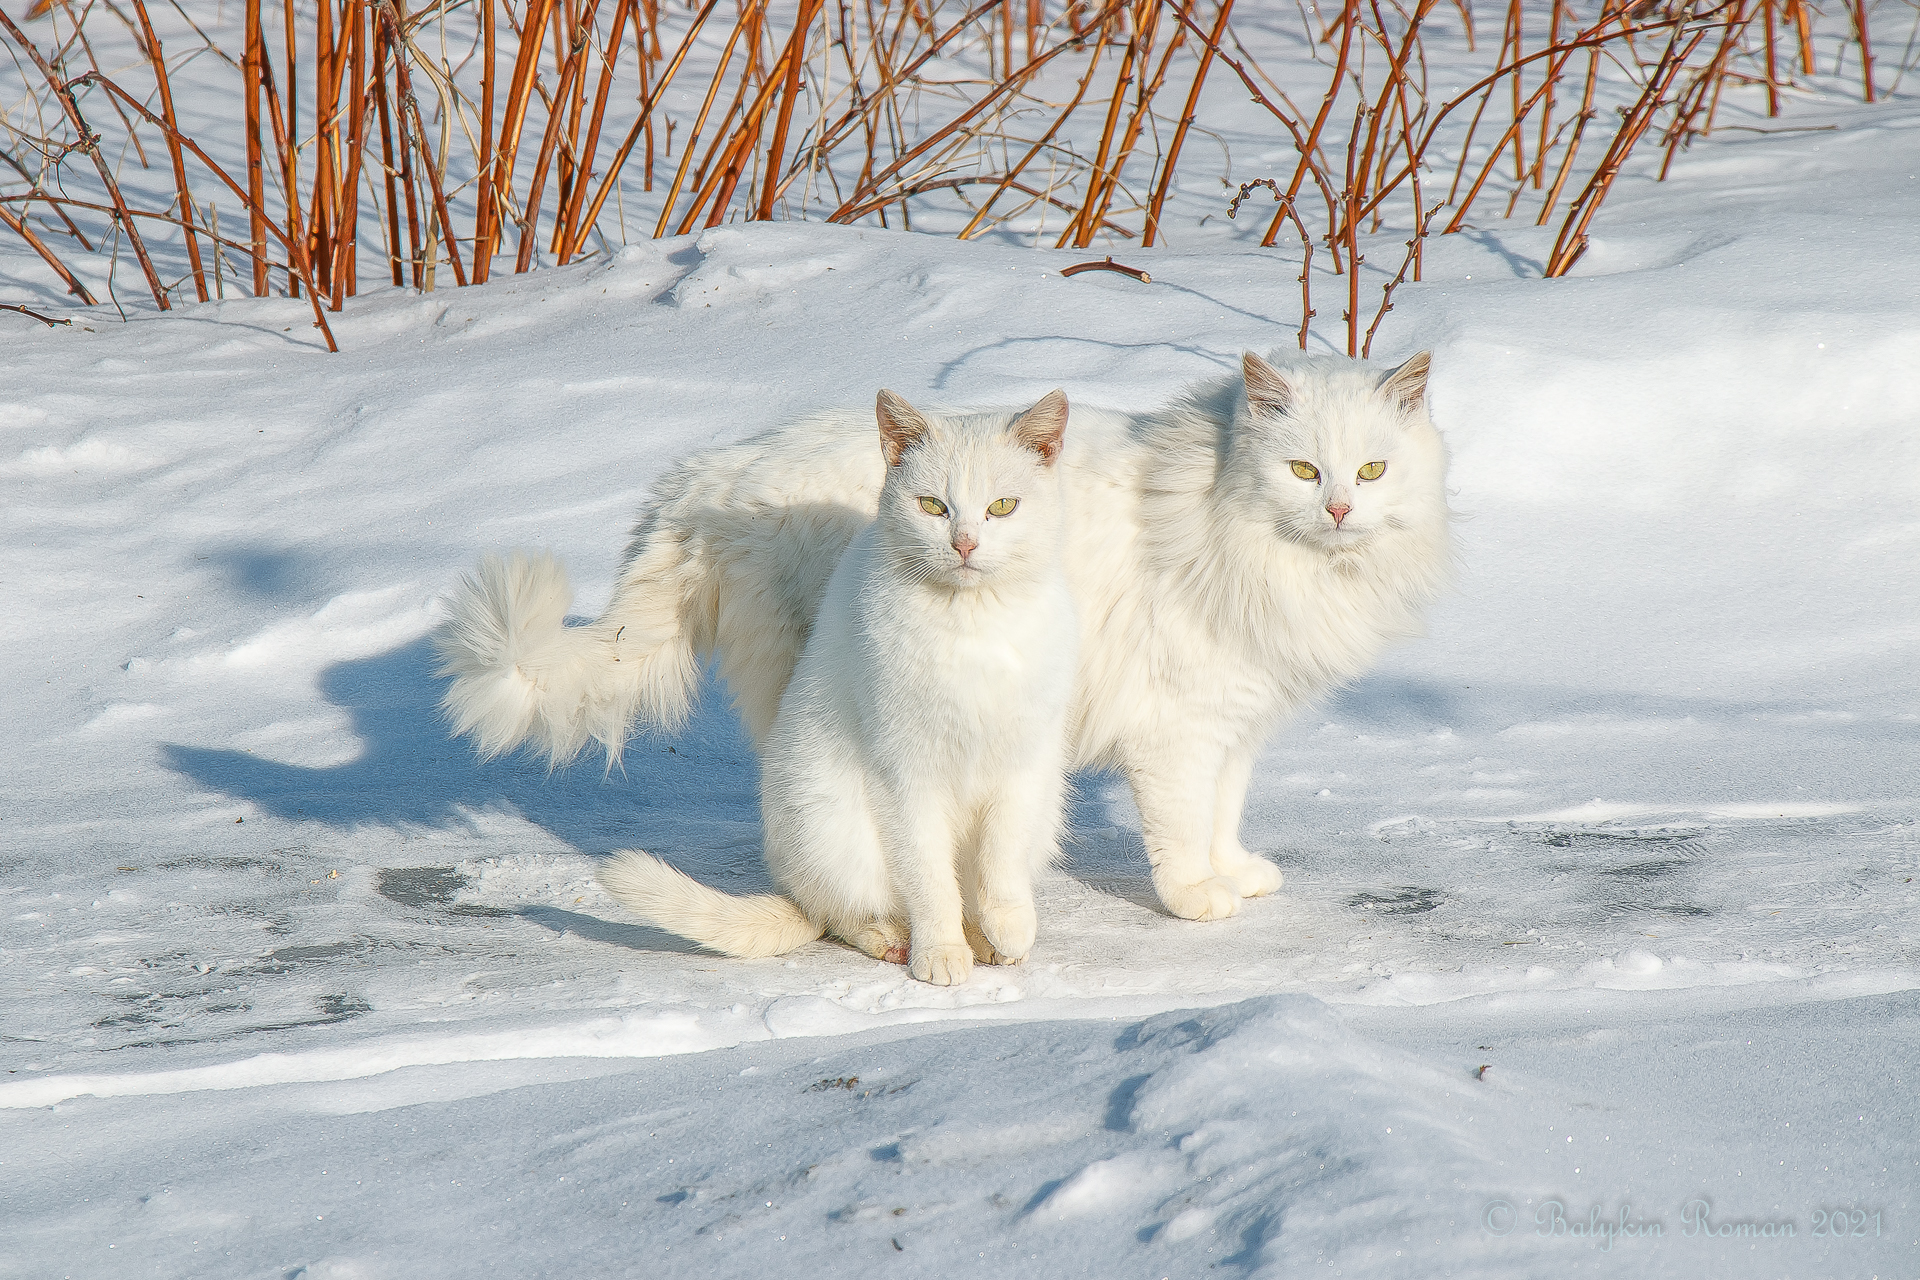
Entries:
{"x":1234,"y":555}
{"x":912,"y":781}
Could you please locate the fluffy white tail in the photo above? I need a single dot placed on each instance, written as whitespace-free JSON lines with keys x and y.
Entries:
{"x":521,"y":674}
{"x":764,"y":925}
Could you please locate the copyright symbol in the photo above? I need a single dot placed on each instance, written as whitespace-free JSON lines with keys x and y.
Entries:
{"x":1498,"y":1217}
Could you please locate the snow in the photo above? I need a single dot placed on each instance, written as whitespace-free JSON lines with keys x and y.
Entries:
{"x":297,"y":987}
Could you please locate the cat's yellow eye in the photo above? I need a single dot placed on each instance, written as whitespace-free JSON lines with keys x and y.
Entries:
{"x":1002,"y":506}
{"x":933,"y":506}
{"x":1373,"y":471}
{"x":1306,"y":470}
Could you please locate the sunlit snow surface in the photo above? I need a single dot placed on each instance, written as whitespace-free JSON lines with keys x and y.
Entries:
{"x":295,"y":987}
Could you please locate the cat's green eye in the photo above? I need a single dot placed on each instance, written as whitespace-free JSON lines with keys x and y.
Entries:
{"x":1373,"y":471}
{"x":1002,"y":506}
{"x":1306,"y":470}
{"x":933,"y":506}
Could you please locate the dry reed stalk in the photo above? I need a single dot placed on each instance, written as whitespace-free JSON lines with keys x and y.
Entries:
{"x":796,"y":56}
{"x":410,"y":116}
{"x":854,"y":207}
{"x":1010,"y":180}
{"x":89,"y":143}
{"x":1306,"y":165}
{"x":565,"y":231}
{"x":1109,"y":180}
{"x":1858,"y":10}
{"x":1514,"y":32}
{"x":20,"y":228}
{"x":1386,"y":290}
{"x":159,"y":62}
{"x":296,"y":254}
{"x":1132,"y":273}
{"x":1545,"y":141}
{"x":497,"y":183}
{"x":1349,"y":230}
{"x":284,"y":147}
{"x":322,"y":217}
{"x":1703,"y":94}
{"x":1187,"y":117}
{"x":713,"y":167}
{"x":347,"y":201}
{"x":1077,"y":233}
{"x":1803,"y":27}
{"x":289,"y":138}
{"x":700,"y":121}
{"x":1512,"y":135}
{"x":1573,"y":144}
{"x":784,"y":75}
{"x":571,"y":71}
{"x":1592,"y":38}
{"x":582,"y":26}
{"x":388,"y":172}
{"x":1572,"y":240}
{"x":48,"y":321}
{"x":882,"y":99}
{"x":1393,"y":92}
{"x":647,"y":106}
{"x":33,"y":185}
{"x":1286,"y":119}
{"x":1773,"y":65}
{"x":483,"y":194}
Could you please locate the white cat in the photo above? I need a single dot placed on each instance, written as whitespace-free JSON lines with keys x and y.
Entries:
{"x":911,"y":783}
{"x":1233,"y":556}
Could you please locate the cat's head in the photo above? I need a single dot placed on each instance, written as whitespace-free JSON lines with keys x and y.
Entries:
{"x":1335,"y":452}
{"x":974,"y":499}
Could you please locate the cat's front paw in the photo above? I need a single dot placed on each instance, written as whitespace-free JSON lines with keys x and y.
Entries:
{"x":944,"y":965}
{"x":1255,"y":877}
{"x":1214,"y":898}
{"x":1011,"y":930}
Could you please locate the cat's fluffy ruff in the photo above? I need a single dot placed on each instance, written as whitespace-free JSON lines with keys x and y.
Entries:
{"x":912,"y":780}
{"x":1216,"y":592}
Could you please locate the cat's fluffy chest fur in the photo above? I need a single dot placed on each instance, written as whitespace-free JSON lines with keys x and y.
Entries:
{"x":947,"y":684}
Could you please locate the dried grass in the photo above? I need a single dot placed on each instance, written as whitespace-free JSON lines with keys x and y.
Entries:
{"x":1041,"y":119}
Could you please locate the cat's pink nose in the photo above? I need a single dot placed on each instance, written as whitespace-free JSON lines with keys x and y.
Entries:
{"x":1338,"y":511}
{"x":965,"y":544}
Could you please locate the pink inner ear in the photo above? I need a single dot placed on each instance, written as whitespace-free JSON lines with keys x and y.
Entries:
{"x":1043,"y":428}
{"x":901,"y":426}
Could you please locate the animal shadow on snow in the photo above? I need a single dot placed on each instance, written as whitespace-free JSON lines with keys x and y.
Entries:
{"x":691,"y":797}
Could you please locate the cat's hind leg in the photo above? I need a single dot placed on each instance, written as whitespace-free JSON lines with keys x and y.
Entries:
{"x":882,"y":939}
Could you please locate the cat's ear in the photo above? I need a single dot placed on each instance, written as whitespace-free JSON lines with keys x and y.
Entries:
{"x":901,"y":426}
{"x":1044,"y":427}
{"x":1406,"y":387}
{"x":1267,"y":389}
